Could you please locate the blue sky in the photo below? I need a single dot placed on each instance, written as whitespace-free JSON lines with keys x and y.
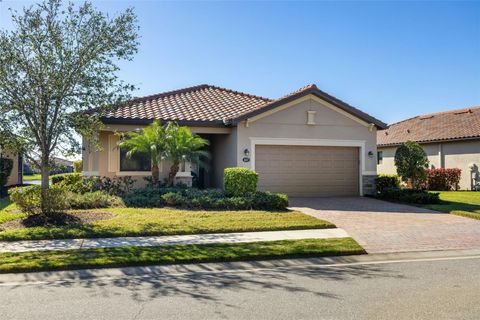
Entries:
{"x":391,"y":59}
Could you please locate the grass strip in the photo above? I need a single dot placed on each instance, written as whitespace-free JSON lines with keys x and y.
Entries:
{"x":135,"y":256}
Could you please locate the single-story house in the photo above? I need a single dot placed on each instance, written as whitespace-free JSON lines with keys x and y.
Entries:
{"x":307,"y":143}
{"x":62,"y":165}
{"x":450,"y":139}
{"x":16,"y":176}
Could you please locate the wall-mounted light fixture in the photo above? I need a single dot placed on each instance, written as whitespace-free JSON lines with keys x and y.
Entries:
{"x":246,"y":152}
{"x":370,"y":154}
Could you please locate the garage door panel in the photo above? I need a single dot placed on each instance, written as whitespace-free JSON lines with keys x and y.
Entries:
{"x":308,"y":171}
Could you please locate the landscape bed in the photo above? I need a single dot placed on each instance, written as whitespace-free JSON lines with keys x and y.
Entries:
{"x":136,"y":256}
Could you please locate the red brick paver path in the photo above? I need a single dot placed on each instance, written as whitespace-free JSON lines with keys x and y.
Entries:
{"x":381,"y":226}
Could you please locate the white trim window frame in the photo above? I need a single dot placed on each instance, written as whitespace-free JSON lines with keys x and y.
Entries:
{"x":361,"y":144}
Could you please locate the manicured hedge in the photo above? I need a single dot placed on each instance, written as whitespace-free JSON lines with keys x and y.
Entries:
{"x":204,"y":199}
{"x":240,"y":181}
{"x":387,"y":181}
{"x":409,"y":196}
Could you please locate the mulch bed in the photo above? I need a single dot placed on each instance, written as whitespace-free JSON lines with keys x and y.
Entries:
{"x":63,"y":219}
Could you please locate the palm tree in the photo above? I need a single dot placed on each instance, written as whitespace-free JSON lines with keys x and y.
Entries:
{"x":183,"y":145}
{"x":150,"y":141}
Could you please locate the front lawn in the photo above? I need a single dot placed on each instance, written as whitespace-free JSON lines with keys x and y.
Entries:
{"x":462,"y":203}
{"x":128,"y":222}
{"x":36,"y":176}
{"x":128,"y":256}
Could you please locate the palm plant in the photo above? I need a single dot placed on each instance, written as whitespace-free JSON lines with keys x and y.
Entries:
{"x":183,"y":145}
{"x":150,"y":141}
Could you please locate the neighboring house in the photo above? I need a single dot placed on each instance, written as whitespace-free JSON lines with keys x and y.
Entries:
{"x":307,"y":143}
{"x":62,"y":165}
{"x":16,"y":176}
{"x":451,"y":140}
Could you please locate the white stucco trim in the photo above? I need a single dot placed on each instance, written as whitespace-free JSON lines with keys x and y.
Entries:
{"x":369,"y":173}
{"x":254,"y":141}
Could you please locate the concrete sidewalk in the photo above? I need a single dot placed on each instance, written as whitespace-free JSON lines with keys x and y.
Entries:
{"x":71,"y":244}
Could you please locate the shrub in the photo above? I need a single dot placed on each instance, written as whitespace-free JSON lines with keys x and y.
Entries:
{"x":387,"y":181}
{"x":410,"y":196}
{"x":443,"y":179}
{"x":78,"y":166}
{"x":149,"y":197}
{"x":174,"y":199}
{"x":66,"y":178}
{"x":269,"y":201}
{"x":92,"y":200}
{"x":204,"y":199}
{"x":74,"y":182}
{"x":240,"y":181}
{"x":411,"y":162}
{"x":28,"y":199}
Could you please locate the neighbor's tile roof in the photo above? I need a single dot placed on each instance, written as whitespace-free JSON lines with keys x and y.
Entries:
{"x":211,"y":105}
{"x":450,"y":125}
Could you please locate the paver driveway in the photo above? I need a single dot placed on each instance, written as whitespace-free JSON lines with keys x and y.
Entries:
{"x":381,"y":226}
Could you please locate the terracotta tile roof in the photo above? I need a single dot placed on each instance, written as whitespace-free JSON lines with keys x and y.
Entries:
{"x":450,"y":125}
{"x":203,"y":103}
{"x":211,"y":105}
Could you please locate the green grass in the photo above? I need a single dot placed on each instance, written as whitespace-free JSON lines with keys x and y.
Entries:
{"x":6,"y":206}
{"x":37,"y":176}
{"x":462,"y":203}
{"x":130,"y":222}
{"x":128,"y":256}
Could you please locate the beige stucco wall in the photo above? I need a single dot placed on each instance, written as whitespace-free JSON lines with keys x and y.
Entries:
{"x":106,"y":162}
{"x":291,"y":123}
{"x":455,"y":154}
{"x":13,"y":179}
{"x":224,"y":155}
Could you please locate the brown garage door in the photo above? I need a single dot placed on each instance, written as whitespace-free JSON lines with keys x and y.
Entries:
{"x":307,"y":171}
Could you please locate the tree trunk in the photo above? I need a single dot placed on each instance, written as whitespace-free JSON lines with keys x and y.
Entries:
{"x":173,"y":172}
{"x":155,"y":173}
{"x":44,"y":168}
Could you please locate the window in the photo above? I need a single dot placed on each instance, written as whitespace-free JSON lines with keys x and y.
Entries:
{"x":379,"y":157}
{"x":137,"y":162}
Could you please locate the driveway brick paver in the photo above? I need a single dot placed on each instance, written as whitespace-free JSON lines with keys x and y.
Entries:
{"x":381,"y":226}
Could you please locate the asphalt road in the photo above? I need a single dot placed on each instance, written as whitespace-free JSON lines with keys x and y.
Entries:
{"x":446,"y":289}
